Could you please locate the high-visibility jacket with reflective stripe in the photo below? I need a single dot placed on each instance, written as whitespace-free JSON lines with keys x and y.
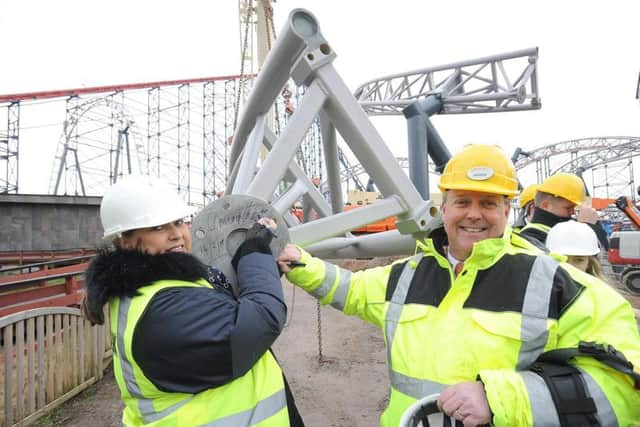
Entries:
{"x":255,"y":399}
{"x":491,"y":322}
{"x":536,"y":230}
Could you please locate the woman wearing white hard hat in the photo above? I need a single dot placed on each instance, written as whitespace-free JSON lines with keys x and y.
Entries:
{"x":579,"y":243}
{"x":186,"y":350}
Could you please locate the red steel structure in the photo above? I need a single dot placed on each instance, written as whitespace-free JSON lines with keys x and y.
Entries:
{"x":48,"y":287}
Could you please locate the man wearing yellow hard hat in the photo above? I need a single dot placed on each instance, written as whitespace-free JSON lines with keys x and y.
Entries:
{"x":556,"y":200}
{"x":475,"y":318}
{"x":527,"y":205}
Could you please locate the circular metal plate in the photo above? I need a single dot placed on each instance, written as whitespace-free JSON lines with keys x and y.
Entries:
{"x":219,"y":229}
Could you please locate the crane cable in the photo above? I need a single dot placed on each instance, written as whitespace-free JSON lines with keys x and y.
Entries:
{"x":242,"y":57}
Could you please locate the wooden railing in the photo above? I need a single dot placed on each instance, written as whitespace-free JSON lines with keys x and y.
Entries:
{"x":48,"y":355}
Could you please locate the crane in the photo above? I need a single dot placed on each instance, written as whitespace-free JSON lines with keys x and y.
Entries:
{"x":257,"y":34}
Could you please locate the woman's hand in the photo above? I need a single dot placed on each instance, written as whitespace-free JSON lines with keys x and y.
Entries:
{"x":268,"y":222}
{"x":257,"y":239}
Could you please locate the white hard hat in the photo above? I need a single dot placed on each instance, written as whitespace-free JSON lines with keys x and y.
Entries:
{"x":572,"y":238}
{"x":139,"y":201}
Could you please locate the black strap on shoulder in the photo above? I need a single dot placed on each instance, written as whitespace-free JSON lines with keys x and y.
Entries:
{"x":295,"y":419}
{"x":604,"y":353}
{"x":573,"y":404}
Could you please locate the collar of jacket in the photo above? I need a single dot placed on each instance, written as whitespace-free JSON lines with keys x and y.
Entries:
{"x":540,"y":216}
{"x":118,"y":273}
{"x":484,"y":253}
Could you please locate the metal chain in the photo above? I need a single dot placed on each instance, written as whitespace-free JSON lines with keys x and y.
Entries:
{"x":320,"y":357}
{"x":244,"y":53}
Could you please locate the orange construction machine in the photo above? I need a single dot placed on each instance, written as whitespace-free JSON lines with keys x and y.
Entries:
{"x":624,"y":247}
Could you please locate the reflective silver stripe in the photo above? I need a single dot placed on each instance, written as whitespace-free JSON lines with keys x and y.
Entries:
{"x":414,"y":387}
{"x":264,"y":409}
{"x":340,"y":296}
{"x":605,"y":414}
{"x":535,"y":310}
{"x":410,"y":386}
{"x":145,"y":406}
{"x":127,"y":369}
{"x":397,"y":302}
{"x":330,"y":272}
{"x":542,"y":406}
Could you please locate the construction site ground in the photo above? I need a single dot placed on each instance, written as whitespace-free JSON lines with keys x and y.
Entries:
{"x":343,"y":385}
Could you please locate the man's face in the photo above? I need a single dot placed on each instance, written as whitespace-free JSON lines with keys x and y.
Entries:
{"x":171,"y":237}
{"x":471,"y":216}
{"x":559,"y":206}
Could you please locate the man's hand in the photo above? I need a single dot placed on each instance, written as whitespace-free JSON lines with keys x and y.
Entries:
{"x":466,"y":402}
{"x":587,"y":214}
{"x":289,"y":254}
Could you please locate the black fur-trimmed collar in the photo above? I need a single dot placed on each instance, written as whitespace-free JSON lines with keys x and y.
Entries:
{"x":117,"y":273}
{"x":440,"y":239}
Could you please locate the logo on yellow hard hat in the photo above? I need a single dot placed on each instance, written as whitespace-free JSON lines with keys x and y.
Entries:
{"x":480,"y":173}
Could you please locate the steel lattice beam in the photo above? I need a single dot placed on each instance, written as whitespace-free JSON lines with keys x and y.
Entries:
{"x":571,"y":146}
{"x":9,"y":144}
{"x":505,"y":82}
{"x":609,"y":159}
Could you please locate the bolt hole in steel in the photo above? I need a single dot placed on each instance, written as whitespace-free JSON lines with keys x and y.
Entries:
{"x":325,"y":48}
{"x":310,"y":56}
{"x":220,"y":228}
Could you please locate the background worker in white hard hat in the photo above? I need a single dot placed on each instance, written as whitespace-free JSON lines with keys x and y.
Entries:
{"x":470,"y":315}
{"x":526,"y":201}
{"x":557,"y":199}
{"x":187,"y":352}
{"x":579,"y":243}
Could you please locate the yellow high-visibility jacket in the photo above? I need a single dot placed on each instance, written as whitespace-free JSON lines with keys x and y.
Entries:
{"x":491,"y":322}
{"x":255,"y":399}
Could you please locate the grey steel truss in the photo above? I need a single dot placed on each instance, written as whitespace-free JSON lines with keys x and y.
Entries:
{"x":303,"y":54}
{"x":615,"y":152}
{"x":9,"y":143}
{"x":608,"y":158}
{"x":71,"y":165}
{"x":505,"y":82}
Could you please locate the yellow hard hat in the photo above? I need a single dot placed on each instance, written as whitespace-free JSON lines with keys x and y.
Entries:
{"x":566,"y":185}
{"x":483,"y":168}
{"x":528,"y":194}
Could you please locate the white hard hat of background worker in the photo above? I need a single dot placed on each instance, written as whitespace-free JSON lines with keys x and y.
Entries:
{"x":579,"y":243}
{"x":573,"y":238}
{"x":140,"y":201}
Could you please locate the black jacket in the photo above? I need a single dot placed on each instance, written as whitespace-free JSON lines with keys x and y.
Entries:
{"x":191,"y":339}
{"x":540,"y":216}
